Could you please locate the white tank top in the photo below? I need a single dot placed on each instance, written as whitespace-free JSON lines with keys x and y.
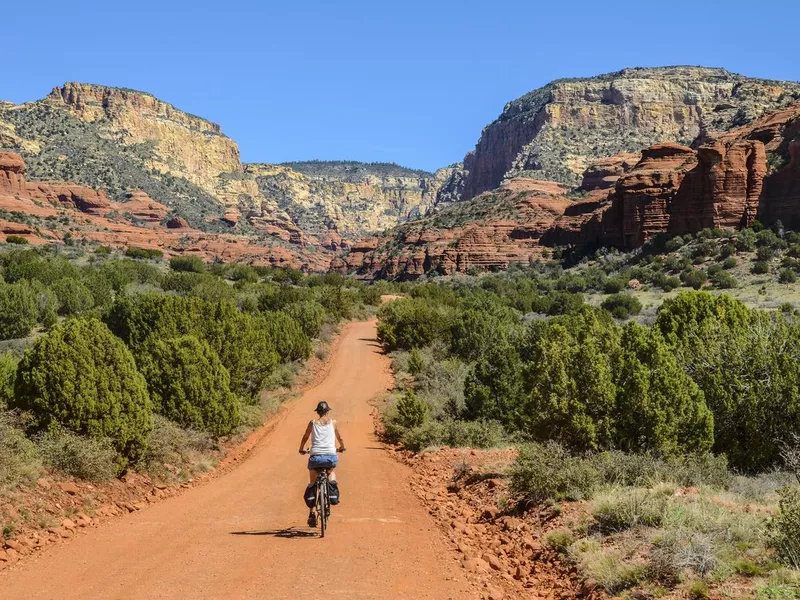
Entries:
{"x":323,"y":438}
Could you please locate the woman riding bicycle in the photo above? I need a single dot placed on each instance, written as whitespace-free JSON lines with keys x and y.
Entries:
{"x":324,"y":434}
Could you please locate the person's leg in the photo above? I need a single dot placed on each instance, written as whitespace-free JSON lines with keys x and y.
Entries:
{"x":312,"y":476}
{"x":332,"y":474}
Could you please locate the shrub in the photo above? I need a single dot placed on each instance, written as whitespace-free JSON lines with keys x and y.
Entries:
{"x":787,"y":276}
{"x":614,"y":285}
{"x":103,"y":250}
{"x":246,"y":344}
{"x":18,"y":310}
{"x":629,"y":508}
{"x":658,"y":406}
{"x":746,"y":240}
{"x":694,"y":278}
{"x":19,"y":461}
{"x":309,"y":314}
{"x":73,"y":297}
{"x":548,"y":472}
{"x":622,"y":306}
{"x":16,"y":239}
{"x":189,"y":264}
{"x":412,"y":323}
{"x":698,"y":590}
{"x":759,"y":267}
{"x":175,"y":453}
{"x":82,"y":377}
{"x":93,"y":459}
{"x":145,"y":253}
{"x":674,"y":244}
{"x":765,"y":253}
{"x":723,"y":280}
{"x":560,"y":540}
{"x":189,"y":385}
{"x":729,"y":263}
{"x":784,"y":529}
{"x":411,"y":410}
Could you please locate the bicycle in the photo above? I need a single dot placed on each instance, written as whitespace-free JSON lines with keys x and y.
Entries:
{"x":322,"y":506}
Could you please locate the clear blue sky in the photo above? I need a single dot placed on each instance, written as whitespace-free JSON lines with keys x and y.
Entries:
{"x":410,"y":82}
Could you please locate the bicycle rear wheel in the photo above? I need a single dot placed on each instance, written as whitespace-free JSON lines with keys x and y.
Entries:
{"x":323,"y":502}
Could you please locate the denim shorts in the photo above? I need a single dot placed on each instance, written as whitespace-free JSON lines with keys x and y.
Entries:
{"x":322,"y":461}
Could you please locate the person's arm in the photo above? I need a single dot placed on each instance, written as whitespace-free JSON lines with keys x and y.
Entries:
{"x":338,"y":437}
{"x":306,"y":435}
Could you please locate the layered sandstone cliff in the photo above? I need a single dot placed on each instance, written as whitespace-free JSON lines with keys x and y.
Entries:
{"x":348,"y":198}
{"x":557,"y":131}
{"x":52,"y":212}
{"x":726,"y":182}
{"x":183,"y":145}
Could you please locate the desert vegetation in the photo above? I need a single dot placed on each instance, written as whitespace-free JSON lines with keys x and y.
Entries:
{"x":117,"y":363}
{"x":675,"y":429}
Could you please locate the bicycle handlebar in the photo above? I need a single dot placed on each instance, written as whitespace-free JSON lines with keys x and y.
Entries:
{"x":308,"y":450}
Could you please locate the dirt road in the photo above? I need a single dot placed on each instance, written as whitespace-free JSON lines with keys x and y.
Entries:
{"x":243,"y":534}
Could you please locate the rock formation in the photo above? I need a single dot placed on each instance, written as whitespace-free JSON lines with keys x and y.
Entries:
{"x":183,"y":145}
{"x":52,"y":212}
{"x":730,"y":179}
{"x":347,"y":197}
{"x":556,"y":132}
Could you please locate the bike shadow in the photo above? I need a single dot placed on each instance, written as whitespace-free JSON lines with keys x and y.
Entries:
{"x":289,"y":532}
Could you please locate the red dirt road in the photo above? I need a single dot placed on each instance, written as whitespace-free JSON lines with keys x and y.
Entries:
{"x":223,"y":539}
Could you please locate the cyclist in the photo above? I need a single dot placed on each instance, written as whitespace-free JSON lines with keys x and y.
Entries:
{"x":324,"y":434}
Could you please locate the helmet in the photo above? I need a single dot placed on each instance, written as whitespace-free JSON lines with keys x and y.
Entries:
{"x":322,"y":408}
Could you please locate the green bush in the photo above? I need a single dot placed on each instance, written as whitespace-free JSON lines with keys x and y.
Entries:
{"x":412,"y":323}
{"x":8,"y":372}
{"x":759,"y":267}
{"x":19,"y":461}
{"x":145,"y":253}
{"x":245,"y":343}
{"x":73,"y":297}
{"x":629,"y":508}
{"x":309,"y":314}
{"x":175,"y":453}
{"x":560,"y":540}
{"x":190,"y":264}
{"x":787,"y":276}
{"x":411,"y":411}
{"x":189,"y":385}
{"x":658,"y":406}
{"x":82,"y":377}
{"x":16,"y":239}
{"x":784,"y":529}
{"x":694,"y":278}
{"x":729,"y":263}
{"x":19,"y":310}
{"x":723,"y":280}
{"x":286,"y":335}
{"x":92,"y":459}
{"x":622,"y":306}
{"x":548,"y":472}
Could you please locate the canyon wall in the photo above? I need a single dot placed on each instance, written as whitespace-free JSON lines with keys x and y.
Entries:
{"x":556,"y":132}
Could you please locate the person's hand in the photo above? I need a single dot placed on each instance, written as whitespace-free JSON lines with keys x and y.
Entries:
{"x":342,"y":449}
{"x":302,"y":451}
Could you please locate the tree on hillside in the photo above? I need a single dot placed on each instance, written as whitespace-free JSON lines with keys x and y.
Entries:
{"x":19,"y":310}
{"x":189,"y":385}
{"x":658,"y":406}
{"x":82,"y":377}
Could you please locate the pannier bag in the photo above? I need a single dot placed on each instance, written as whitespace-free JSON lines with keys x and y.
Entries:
{"x":333,"y":492}
{"x":310,"y":495}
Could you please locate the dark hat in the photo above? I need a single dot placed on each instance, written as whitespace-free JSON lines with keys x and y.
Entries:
{"x":322,"y":408}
